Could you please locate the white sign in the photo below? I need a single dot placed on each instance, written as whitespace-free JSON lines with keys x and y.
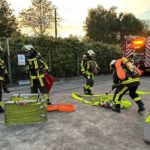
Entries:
{"x":21,"y":60}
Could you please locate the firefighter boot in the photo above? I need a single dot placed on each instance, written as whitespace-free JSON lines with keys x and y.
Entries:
{"x":89,"y":92}
{"x":1,"y":109}
{"x":48,"y":102}
{"x":140,"y":106}
{"x":116,"y":108}
{"x":46,"y":97}
{"x":85,"y":91}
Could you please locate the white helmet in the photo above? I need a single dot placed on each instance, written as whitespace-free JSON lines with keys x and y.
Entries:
{"x":112,"y":63}
{"x":28,"y":47}
{"x":1,"y":49}
{"x":91,"y":52}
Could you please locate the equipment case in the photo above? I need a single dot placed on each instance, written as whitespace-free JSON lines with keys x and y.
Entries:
{"x":147,"y":128}
{"x":25,"y":109}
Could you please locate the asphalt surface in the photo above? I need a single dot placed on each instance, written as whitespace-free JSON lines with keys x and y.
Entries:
{"x":87,"y":128}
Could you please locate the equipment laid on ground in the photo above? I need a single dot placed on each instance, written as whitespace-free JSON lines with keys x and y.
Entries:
{"x":25,"y":109}
{"x":102,"y":100}
{"x":142,"y":92}
{"x":61,"y":107}
{"x":147,"y":128}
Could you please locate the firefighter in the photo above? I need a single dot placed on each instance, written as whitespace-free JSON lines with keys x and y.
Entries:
{"x":3,"y":79}
{"x":89,"y":67}
{"x":125,"y":79}
{"x":35,"y":68}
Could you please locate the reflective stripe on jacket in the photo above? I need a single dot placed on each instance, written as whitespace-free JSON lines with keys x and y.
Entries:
{"x":128,"y":81}
{"x":36,"y":67}
{"x":86,"y":66}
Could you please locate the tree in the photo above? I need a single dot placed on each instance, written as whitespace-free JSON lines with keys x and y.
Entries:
{"x":146,"y":28}
{"x":109,"y":27}
{"x":130,"y":25}
{"x":101,"y":24}
{"x":39,"y":17}
{"x":8,"y":23}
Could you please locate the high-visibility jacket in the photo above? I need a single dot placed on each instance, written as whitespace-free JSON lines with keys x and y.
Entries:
{"x":87,"y":65}
{"x":3,"y":70}
{"x":36,"y":68}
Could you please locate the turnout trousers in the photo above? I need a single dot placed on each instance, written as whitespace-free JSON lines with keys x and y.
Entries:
{"x":122,"y":89}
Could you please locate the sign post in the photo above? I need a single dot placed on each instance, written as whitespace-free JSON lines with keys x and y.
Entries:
{"x":21,"y":60}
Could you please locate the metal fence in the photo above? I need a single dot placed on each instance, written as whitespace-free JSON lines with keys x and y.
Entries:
{"x":63,"y":58}
{"x":60,"y":66}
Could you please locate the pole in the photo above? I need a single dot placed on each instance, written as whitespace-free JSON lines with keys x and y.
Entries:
{"x":8,"y":58}
{"x":49,"y":59}
{"x":55,"y":23}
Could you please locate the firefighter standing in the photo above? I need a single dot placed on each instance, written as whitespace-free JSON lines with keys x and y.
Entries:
{"x":89,"y":67}
{"x":3,"y":79}
{"x":125,"y":80}
{"x":35,"y":68}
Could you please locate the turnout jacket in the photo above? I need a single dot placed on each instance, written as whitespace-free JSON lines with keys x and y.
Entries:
{"x":130,"y":79}
{"x":88,"y":65}
{"x":36,"y":67}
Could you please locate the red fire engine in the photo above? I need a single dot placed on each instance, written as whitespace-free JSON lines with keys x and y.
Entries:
{"x":137,"y":49}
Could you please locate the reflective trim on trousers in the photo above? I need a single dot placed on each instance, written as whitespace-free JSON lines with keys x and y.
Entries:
{"x":130,"y":81}
{"x":137,"y":99}
{"x":119,"y":94}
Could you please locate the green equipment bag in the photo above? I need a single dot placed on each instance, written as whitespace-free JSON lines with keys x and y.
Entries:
{"x":25,"y":109}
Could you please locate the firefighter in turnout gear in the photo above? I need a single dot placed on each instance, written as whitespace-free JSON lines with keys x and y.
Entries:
{"x":35,"y":68}
{"x":3,"y":79}
{"x":89,"y":67}
{"x":125,"y":78}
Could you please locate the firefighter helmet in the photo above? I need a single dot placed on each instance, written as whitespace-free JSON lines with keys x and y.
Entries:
{"x":112,"y":63}
{"x":91,"y":52}
{"x":1,"y":49}
{"x":28,"y":47}
{"x":29,"y":50}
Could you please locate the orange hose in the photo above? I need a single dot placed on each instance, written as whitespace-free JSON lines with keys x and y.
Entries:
{"x":61,"y":107}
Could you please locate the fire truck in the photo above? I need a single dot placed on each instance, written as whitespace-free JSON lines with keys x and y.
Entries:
{"x":137,"y":49}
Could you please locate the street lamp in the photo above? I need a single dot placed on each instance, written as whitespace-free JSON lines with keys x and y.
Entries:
{"x":8,"y":58}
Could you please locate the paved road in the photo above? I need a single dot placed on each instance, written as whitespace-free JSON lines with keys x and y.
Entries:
{"x":88,"y":128}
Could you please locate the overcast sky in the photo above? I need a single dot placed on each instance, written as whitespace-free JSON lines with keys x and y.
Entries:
{"x":74,"y":12}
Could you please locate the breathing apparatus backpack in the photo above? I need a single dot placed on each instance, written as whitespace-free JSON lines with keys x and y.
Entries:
{"x":126,"y":69}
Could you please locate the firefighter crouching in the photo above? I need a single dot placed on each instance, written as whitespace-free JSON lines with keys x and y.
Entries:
{"x":3,"y":79}
{"x":89,"y":67}
{"x":125,"y":78}
{"x":35,"y":68}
